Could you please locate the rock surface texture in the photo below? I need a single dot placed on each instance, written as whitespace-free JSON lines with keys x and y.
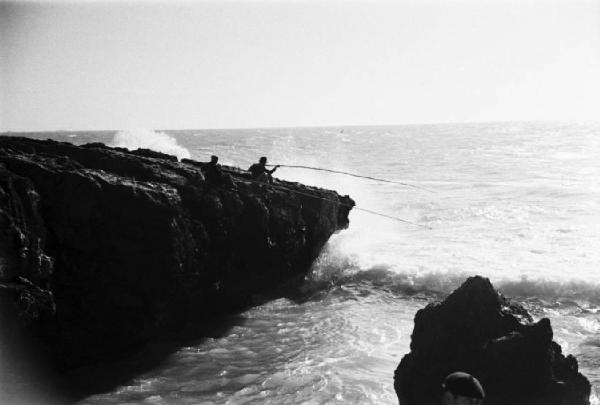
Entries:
{"x":479,"y":331}
{"x":102,"y":249}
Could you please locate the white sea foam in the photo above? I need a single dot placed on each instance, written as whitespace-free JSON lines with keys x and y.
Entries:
{"x":149,"y":139}
{"x":514,"y":203}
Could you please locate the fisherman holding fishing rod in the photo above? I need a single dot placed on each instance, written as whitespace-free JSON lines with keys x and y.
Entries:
{"x":260,"y":172}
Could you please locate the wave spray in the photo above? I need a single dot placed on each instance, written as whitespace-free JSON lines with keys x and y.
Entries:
{"x":149,"y":139}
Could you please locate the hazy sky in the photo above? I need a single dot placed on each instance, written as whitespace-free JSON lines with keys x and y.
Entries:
{"x":114,"y":65}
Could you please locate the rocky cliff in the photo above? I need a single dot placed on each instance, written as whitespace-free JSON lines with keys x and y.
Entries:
{"x":477,"y":330}
{"x":102,"y":249}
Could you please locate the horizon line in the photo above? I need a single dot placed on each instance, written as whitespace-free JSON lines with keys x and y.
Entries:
{"x":564,"y":121}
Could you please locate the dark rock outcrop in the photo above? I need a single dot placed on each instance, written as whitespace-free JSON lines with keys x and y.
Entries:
{"x":102,"y":249}
{"x":479,"y":331}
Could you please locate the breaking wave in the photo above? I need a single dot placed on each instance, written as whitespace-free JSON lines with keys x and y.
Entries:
{"x":334,"y":271}
{"x":148,"y":139}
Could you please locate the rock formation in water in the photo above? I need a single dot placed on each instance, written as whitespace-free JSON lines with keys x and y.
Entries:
{"x":102,"y":249}
{"x":477,"y":330}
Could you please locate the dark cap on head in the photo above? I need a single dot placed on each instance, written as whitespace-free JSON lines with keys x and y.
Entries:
{"x":214,"y":157}
{"x":463,"y":384}
{"x":262,"y":159}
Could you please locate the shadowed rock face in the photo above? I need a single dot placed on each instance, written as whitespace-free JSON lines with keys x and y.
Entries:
{"x":479,"y":331}
{"x":102,"y":249}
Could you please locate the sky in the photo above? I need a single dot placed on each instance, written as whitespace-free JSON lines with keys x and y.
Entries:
{"x":233,"y":64}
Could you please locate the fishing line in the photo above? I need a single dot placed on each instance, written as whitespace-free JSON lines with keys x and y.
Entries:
{"x":355,"y":175}
{"x":338,"y":202}
{"x":392,"y":217}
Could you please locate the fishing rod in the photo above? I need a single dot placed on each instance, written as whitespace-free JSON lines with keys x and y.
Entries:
{"x":340,"y":203}
{"x":355,"y":175}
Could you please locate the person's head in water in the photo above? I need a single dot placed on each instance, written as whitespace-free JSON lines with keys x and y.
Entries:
{"x":262,"y":161}
{"x":214,"y":159}
{"x":462,"y":389}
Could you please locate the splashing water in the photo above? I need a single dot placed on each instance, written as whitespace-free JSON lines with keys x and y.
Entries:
{"x":148,"y":139}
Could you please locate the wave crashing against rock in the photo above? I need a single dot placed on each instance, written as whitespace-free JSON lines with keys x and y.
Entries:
{"x":477,"y":330}
{"x":102,"y":249}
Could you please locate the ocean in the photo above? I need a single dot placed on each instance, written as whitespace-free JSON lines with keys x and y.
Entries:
{"x":518,"y":203}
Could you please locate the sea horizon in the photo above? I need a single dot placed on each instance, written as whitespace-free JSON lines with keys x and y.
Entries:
{"x":286,"y":127}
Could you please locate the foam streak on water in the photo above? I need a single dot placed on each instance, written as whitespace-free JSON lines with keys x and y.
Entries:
{"x":284,"y":353}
